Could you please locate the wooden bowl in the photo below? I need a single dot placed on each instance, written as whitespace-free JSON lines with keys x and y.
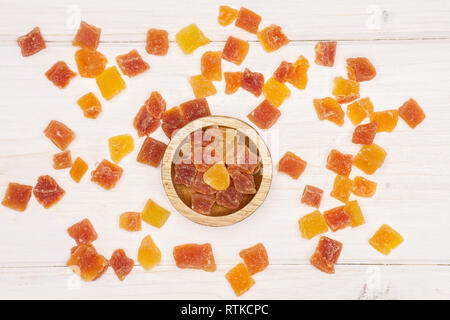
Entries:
{"x":256,"y":200}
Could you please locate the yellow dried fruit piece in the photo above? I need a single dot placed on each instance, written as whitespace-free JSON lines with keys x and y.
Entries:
{"x":78,"y":169}
{"x":201,"y":86}
{"x":149,"y":254}
{"x":217,"y":177}
{"x":369,"y":158}
{"x":276,"y":92}
{"x":342,"y":188}
{"x":298,"y":73}
{"x":120,"y":146}
{"x":354,"y":211}
{"x":154,"y":214}
{"x":386,"y":120}
{"x":312,"y":224}
{"x":385,"y":239}
{"x":357,"y":111}
{"x":190,"y":38}
{"x":345,"y":90}
{"x":110,"y":83}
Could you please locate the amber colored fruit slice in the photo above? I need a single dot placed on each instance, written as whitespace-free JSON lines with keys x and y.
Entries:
{"x":184,"y":174}
{"x":157,"y":42}
{"x":130,"y":221}
{"x":155,"y":105}
{"x":62,"y":160}
{"x":229,"y":198}
{"x":365,"y":133}
{"x":253,"y":82}
{"x":120,"y":146}
{"x":232,"y":81}
{"x":106,"y":175}
{"x":411,"y":113}
{"x":354,"y":211}
{"x":172,"y":120}
{"x":345,"y":90}
{"x":211,"y":65}
{"x":87,"y":37}
{"x":312,"y":224}
{"x":131,"y":64}
{"x":370,"y":158}
{"x":292,"y":165}
{"x":386,"y":120}
{"x":342,"y":188}
{"x":217,"y":177}
{"x":190,"y":38}
{"x":337,"y":218}
{"x":255,"y":258}
{"x":239,"y":279}
{"x":363,"y":187}
{"x":226,"y":15}
{"x":235,"y":50}
{"x":121,"y":264}
{"x":282,"y":72}
{"x":248,"y":20}
{"x":149,"y":254}
{"x":59,"y":134}
{"x":144,"y":123}
{"x":90,"y":105}
{"x":60,"y":74}
{"x":360,"y":69}
{"x":272,"y":38}
{"x":47,"y":191}
{"x":298,"y":73}
{"x":195,"y":256}
{"x":87,"y":263}
{"x":90,"y":64}
{"x":326,"y":255}
{"x":194,"y":109}
{"x":357,"y":111}
{"x":242,"y":159}
{"x":276,"y":92}
{"x":83,"y":232}
{"x":110,"y":83}
{"x":385,"y":239}
{"x":325,"y":53}
{"x":152,"y":152}
{"x":243,"y":182}
{"x":201,"y":86}
{"x":154,"y":214}
{"x":265,"y":115}
{"x":17,"y":196}
{"x":329,"y":109}
{"x":312,"y":196}
{"x":78,"y":169}
{"x":202,"y":203}
{"x":339,"y":162}
{"x":31,"y":43}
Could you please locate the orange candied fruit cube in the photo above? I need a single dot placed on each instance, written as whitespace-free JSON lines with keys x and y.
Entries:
{"x":106,"y":175}
{"x":59,"y":134}
{"x":172,"y":120}
{"x":211,"y":65}
{"x":265,"y":115}
{"x":149,"y":254}
{"x":253,"y":82}
{"x":232,"y":81}
{"x":363,"y":187}
{"x":235,"y":50}
{"x":369,"y":158}
{"x":151,"y":152}
{"x":31,"y":43}
{"x":226,"y":15}
{"x":195,"y":256}
{"x":255,"y":258}
{"x":292,"y":165}
{"x":60,"y":74}
{"x":357,"y":111}
{"x":121,"y":264}
{"x":365,"y":133}
{"x":202,"y":203}
{"x":298,"y":73}
{"x":325,"y":53}
{"x":17,"y":196}
{"x":248,"y":20}
{"x":282,"y":72}
{"x":201,"y":86}
{"x":326,"y":254}
{"x":90,"y":64}
{"x":62,"y":160}
{"x":190,"y":38}
{"x":312,"y":224}
{"x":411,"y":113}
{"x":217,"y":177}
{"x":337,"y":218}
{"x":385,"y":239}
{"x":130,"y":221}
{"x":144,"y":123}
{"x":342,"y":188}
{"x":120,"y":146}
{"x":78,"y":169}
{"x":110,"y":83}
{"x":272,"y":38}
{"x":157,"y":42}
{"x":194,"y":109}
{"x":329,"y":109}
{"x":47,"y":191}
{"x":239,"y":279}
{"x":87,"y":37}
{"x":155,"y":105}
{"x":131,"y":64}
{"x":154,"y":214}
{"x":339,"y":162}
{"x":87,"y":263}
{"x":360,"y":69}
{"x":312,"y":196}
{"x":90,"y":105}
{"x":354,"y":211}
{"x":276,"y":92}
{"x":345,"y":90}
{"x":83,"y":232}
{"x":386,"y":120}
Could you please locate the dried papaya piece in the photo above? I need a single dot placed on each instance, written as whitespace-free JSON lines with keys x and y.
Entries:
{"x":144,"y":123}
{"x":312,"y":196}
{"x":272,"y":38}
{"x":110,"y":83}
{"x":87,"y":263}
{"x":62,"y":160}
{"x":195,"y":256}
{"x":385,"y":239}
{"x":363,"y":187}
{"x":121,"y":264}
{"x":337,"y":218}
{"x":365,"y":133}
{"x":131,"y":64}
{"x":78,"y":169}
{"x":90,"y":64}
{"x":200,"y":186}
{"x":235,"y":50}
{"x":312,"y":224}
{"x":233,"y":81}
{"x":265,"y":115}
{"x":360,"y":69}
{"x":411,"y":113}
{"x":386,"y":120}
{"x":154,"y":214}
{"x":17,"y":196}
{"x":255,"y":258}
{"x":345,"y":90}
{"x":226,"y":15}
{"x":190,"y":38}
{"x":342,"y":188}
{"x":339,"y":162}
{"x":157,"y":42}
{"x":253,"y":82}
{"x":47,"y":191}
{"x":202,"y":203}
{"x":275,"y":92}
{"x":211,"y":65}
{"x":87,"y":37}
{"x":298,"y":73}
{"x":149,"y":254}
{"x":201,"y":86}
{"x":243,"y":182}
{"x":370,"y":158}
{"x":325,"y":53}
{"x":31,"y":43}
{"x":230,"y":197}
{"x":354,"y":211}
{"x":60,"y":74}
{"x":151,"y":152}
{"x":282,"y":72}
{"x":357,"y":111}
{"x":90,"y":105}
{"x":59,"y":134}
{"x":248,"y":20}
{"x":130,"y":221}
{"x":155,"y":105}
{"x":106,"y":175}
{"x":172,"y":120}
{"x":329,"y":109}
{"x":184,"y":173}
{"x":83,"y":232}
{"x":292,"y":165}
{"x":326,"y":254}
{"x":239,"y":279}
{"x":194,"y":109}
{"x":120,"y":146}
{"x":217,"y":177}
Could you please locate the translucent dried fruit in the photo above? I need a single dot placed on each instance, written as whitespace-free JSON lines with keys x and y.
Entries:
{"x":275,"y":92}
{"x":120,"y":146}
{"x":282,"y":72}
{"x":255,"y":258}
{"x":106,"y":175}
{"x":265,"y":115}
{"x":229,"y":198}
{"x":90,"y":105}
{"x":78,"y":169}
{"x":199,"y":185}
{"x":363,"y":187}
{"x":226,"y":15}
{"x":130,"y":221}
{"x":339,"y":163}
{"x":342,"y":188}
{"x":298,"y":73}
{"x":194,"y":109}
{"x":211,"y":65}
{"x":292,"y":165}
{"x":31,"y":43}
{"x":144,"y":123}
{"x":59,"y":134}
{"x":184,"y":174}
{"x":357,"y":111}
{"x":345,"y":90}
{"x":325,"y":53}
{"x":354,"y":211}
{"x":87,"y":37}
{"x":312,"y":224}
{"x":131,"y":64}
{"x":272,"y":38}
{"x":312,"y":196}
{"x":83,"y":232}
{"x":155,"y":105}
{"x":217,"y":177}
{"x":253,"y":82}
{"x":60,"y":74}
{"x":386,"y":120}
{"x":243,"y":159}
{"x":152,"y":152}
{"x":190,"y":38}
{"x":360,"y":69}
{"x":17,"y":196}
{"x":243,"y":182}
{"x":157,"y":42}
{"x":329,"y":109}
{"x":90,"y":64}
{"x":62,"y":160}
{"x":248,"y":20}
{"x":326,"y":255}
{"x":369,"y":158}
{"x":195,"y":256}
{"x":337,"y":218}
{"x":202,"y":203}
{"x":121,"y":264}
{"x":47,"y":191}
{"x":110,"y":83}
{"x":201,"y":86}
{"x":232,"y":81}
{"x":154,"y":214}
{"x":172,"y":121}
{"x":239,"y":279}
{"x":149,"y":254}
{"x":235,"y":50}
{"x":87,"y":263}
{"x":385,"y":239}
{"x":411,"y":113}
{"x":365,"y":133}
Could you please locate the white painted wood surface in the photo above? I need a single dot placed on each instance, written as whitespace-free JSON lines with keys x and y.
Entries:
{"x":409,"y":48}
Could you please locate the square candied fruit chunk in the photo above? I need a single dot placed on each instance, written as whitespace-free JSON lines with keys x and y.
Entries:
{"x":172,"y":120}
{"x":59,"y":134}
{"x":87,"y":37}
{"x":60,"y":74}
{"x":363,"y":187}
{"x":17,"y":196}
{"x":370,"y":158}
{"x":354,"y":211}
{"x":255,"y":258}
{"x":87,"y":263}
{"x":62,"y":160}
{"x":229,"y":198}
{"x":130,"y":221}
{"x":233,"y":81}
{"x":131,"y":64}
{"x":235,"y":50}
{"x":152,"y":152}
{"x":31,"y":43}
{"x":200,"y":186}
{"x":144,"y":123}
{"x":78,"y":169}
{"x":365,"y":133}
{"x":106,"y":175}
{"x":243,"y":182}
{"x":282,"y":72}
{"x":326,"y":254}
{"x":184,"y":173}
{"x":342,"y":188}
{"x":272,"y":38}
{"x":47,"y":191}
{"x":149,"y":254}
{"x":195,"y":256}
{"x":194,"y":109}
{"x":120,"y":146}
{"x":202,"y":203}
{"x":337,"y":218}
{"x":155,"y":105}
{"x":298,"y":73}
{"x":154,"y":214}
{"x":357,"y":111}
{"x":292,"y":165}
{"x":276,"y":92}
{"x":211,"y":65}
{"x":121,"y":264}
{"x":190,"y":38}
{"x":90,"y":105}
{"x":325,"y":52}
{"x":110,"y":83}
{"x":217,"y":177}
{"x":329,"y":109}
{"x":312,"y":196}
{"x":226,"y":15}
{"x":239,"y":279}
{"x":312,"y":224}
{"x":386,"y":120}
{"x":411,"y":113}
{"x":90,"y":64}
{"x":201,"y":86}
{"x":345,"y":90}
{"x":157,"y":42}
{"x":360,"y":69}
{"x":253,"y":82}
{"x":83,"y":232}
{"x":385,"y":239}
{"x":339,"y":162}
{"x":248,"y":20}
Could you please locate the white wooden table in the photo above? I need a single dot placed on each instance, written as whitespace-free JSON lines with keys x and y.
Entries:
{"x":408,"y":42}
